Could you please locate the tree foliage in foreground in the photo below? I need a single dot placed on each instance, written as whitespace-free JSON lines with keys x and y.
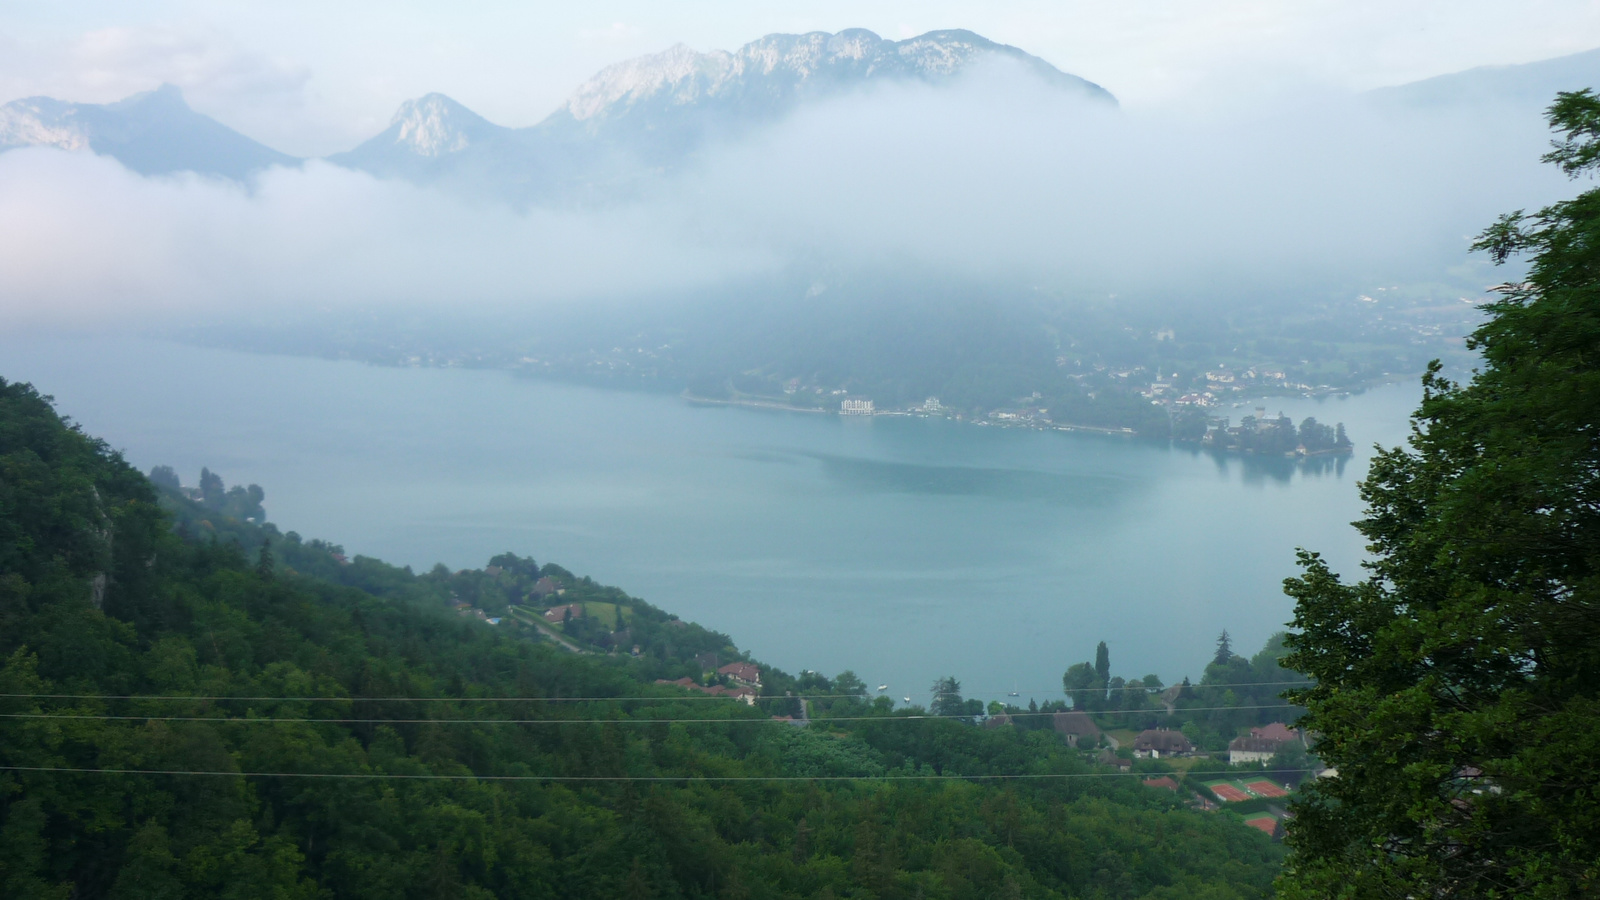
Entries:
{"x":101,"y":599}
{"x":1457,"y":685}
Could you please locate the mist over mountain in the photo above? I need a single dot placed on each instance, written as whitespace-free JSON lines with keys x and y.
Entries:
{"x":1530,"y":86}
{"x":645,"y":117}
{"x":840,"y":208}
{"x":633,"y":122}
{"x":153,"y":133}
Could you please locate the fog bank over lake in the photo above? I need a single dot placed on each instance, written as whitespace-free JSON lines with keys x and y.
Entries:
{"x":901,"y":548}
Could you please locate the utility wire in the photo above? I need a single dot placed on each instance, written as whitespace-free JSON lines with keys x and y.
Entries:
{"x":665,"y":697}
{"x":262,"y":720}
{"x":385,"y":776}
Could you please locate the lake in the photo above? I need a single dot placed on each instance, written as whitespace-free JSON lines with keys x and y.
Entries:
{"x":902,"y":548}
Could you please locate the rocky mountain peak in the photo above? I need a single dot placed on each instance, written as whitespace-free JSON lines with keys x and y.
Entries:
{"x":775,"y":70}
{"x":434,"y":125}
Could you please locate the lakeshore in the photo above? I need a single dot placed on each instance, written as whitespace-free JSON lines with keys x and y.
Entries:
{"x":819,"y":542}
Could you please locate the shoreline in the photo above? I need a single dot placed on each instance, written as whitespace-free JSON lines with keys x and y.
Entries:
{"x":1104,"y":430}
{"x":752,"y":404}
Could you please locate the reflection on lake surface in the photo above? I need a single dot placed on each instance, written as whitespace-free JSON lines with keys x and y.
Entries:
{"x":903,"y":548}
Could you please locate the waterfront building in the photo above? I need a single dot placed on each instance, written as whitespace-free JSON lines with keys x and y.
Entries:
{"x":855,"y":407}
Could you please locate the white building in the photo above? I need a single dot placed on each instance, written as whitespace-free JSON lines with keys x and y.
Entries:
{"x":855,"y":407}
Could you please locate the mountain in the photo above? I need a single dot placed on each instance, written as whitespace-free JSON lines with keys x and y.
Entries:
{"x":629,"y":123}
{"x":679,"y":96}
{"x":425,"y":134}
{"x":638,"y":118}
{"x":1530,"y":84}
{"x":153,"y":133}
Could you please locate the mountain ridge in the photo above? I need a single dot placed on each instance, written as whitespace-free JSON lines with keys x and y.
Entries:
{"x":153,"y":133}
{"x":652,"y":113}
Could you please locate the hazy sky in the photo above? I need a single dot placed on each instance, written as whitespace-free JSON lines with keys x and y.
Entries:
{"x":315,"y":78}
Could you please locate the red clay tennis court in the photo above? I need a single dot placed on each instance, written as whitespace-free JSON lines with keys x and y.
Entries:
{"x":1266,"y":823}
{"x":1227,"y":793}
{"x":1266,"y":789}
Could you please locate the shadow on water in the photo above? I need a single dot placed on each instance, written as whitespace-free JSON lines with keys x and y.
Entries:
{"x":1258,"y":469}
{"x":882,"y":476}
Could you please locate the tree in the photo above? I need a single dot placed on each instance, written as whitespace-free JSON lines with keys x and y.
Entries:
{"x":1224,"y":649}
{"x":1078,"y":683}
{"x":265,"y":565}
{"x":946,"y":697}
{"x":1458,"y":686}
{"x":211,"y":488}
{"x":165,"y":477}
{"x":849,"y":683}
{"x":1102,"y":662}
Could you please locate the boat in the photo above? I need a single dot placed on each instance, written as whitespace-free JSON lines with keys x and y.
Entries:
{"x":906,"y":699}
{"x":1013,"y":691}
{"x":882,"y":688}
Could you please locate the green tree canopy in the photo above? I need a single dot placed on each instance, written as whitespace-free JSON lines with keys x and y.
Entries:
{"x":1457,"y":685}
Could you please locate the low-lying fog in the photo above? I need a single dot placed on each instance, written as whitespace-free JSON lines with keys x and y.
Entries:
{"x":995,"y":176}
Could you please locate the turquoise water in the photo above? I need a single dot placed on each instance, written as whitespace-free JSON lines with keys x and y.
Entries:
{"x":901,"y":548}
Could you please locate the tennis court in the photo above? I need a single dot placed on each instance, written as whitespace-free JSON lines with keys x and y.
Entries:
{"x":1266,"y":823}
{"x":1264,"y":788}
{"x":1228,"y":793}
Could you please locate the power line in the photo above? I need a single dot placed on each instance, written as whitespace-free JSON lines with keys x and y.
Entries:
{"x":386,"y":776}
{"x":368,"y":721}
{"x":667,"y":697}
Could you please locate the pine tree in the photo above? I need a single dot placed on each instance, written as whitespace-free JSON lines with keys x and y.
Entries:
{"x":1224,"y":649}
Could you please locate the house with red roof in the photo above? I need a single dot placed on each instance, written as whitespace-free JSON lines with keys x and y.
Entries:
{"x":1261,"y":745}
{"x":558,"y":614}
{"x":742,"y":673}
{"x":1277,"y":731}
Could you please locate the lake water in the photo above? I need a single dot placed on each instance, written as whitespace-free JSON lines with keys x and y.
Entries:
{"x":902,"y":548}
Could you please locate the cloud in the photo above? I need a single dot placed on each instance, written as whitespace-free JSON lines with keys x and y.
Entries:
{"x":86,"y":244}
{"x":1002,"y":177}
{"x":208,"y":65}
{"x":997,"y":179}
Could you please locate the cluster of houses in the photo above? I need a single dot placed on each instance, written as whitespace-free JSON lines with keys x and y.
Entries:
{"x":744,"y":683}
{"x":1077,"y":729}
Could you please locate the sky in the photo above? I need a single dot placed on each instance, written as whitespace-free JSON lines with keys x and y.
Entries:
{"x":312,"y":78}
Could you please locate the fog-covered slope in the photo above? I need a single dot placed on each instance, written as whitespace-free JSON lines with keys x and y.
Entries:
{"x":152,"y":133}
{"x":1533,"y":84}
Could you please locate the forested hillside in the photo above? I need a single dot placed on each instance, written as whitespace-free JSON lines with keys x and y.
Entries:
{"x":190,"y":713}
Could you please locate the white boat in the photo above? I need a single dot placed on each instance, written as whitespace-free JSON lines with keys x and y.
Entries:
{"x":882,"y":688}
{"x":906,"y":699}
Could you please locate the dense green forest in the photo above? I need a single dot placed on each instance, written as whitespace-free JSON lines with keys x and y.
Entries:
{"x":196,"y":705}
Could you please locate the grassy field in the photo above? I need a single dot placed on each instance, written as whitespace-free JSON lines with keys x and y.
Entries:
{"x":607,"y":613}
